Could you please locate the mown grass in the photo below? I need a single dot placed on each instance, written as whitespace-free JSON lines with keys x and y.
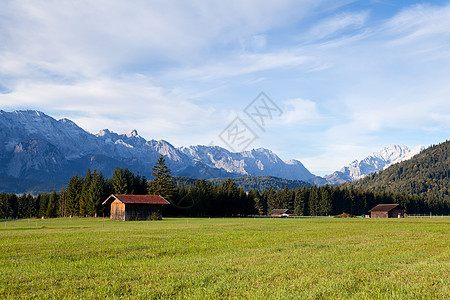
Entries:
{"x":226,"y":258}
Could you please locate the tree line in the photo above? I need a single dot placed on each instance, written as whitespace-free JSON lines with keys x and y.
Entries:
{"x":84,"y":195}
{"x":226,"y":199}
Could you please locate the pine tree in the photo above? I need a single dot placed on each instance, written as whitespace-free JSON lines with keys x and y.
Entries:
{"x":97,"y":193}
{"x":74,"y":189}
{"x":43,"y":201}
{"x":260,"y":206}
{"x":271,"y":200}
{"x":52,"y":205}
{"x":286,"y":198}
{"x":63,"y":203}
{"x":85,"y":198}
{"x":301,"y":201}
{"x":162,"y":183}
{"x":22,"y":206}
{"x":140,"y":185}
{"x":325,"y":201}
{"x":119,"y":181}
{"x":131,"y":182}
{"x":313,"y":201}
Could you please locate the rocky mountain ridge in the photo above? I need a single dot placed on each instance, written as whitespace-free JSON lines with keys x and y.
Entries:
{"x":35,"y":145}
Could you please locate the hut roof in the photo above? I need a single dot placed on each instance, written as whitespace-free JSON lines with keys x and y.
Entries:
{"x":385,"y":207}
{"x":138,"y":199}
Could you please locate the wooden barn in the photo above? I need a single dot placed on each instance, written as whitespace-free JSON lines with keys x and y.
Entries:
{"x":281,"y":213}
{"x":387,"y":211}
{"x":135,"y":207}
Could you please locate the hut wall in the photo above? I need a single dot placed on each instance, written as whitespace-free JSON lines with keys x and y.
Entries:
{"x":379,"y":214}
{"x":396,"y":213}
{"x":117,"y":211}
{"x":391,"y":214}
{"x":141,"y":211}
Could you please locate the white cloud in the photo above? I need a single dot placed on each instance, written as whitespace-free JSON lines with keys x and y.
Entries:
{"x":243,"y":64}
{"x":297,"y":111}
{"x":337,"y":25}
{"x":90,"y":37}
{"x":420,"y":21}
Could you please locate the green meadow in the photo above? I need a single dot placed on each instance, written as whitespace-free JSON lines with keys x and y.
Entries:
{"x":262,"y":258}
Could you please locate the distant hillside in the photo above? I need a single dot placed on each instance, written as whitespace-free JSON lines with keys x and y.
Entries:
{"x":10,"y":184}
{"x":426,"y":174}
{"x":263,"y":182}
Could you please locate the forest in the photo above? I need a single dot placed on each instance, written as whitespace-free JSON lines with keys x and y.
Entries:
{"x":83,"y":196}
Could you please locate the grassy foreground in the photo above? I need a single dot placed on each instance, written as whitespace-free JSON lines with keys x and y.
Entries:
{"x":226,"y":258}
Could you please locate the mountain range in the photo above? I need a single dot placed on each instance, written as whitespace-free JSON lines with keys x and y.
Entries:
{"x":375,"y":162}
{"x":36,"y":149}
{"x":38,"y":152}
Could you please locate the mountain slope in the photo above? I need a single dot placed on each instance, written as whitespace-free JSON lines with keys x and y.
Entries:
{"x":426,"y":174}
{"x":263,"y":182}
{"x":249,"y":182}
{"x":373,"y":163}
{"x":41,"y":149}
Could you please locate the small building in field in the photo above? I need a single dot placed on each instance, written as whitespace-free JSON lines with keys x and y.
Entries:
{"x":387,"y":211}
{"x":135,"y":207}
{"x":281,"y":213}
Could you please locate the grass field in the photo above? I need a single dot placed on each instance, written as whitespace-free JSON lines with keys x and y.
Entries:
{"x":226,"y":258}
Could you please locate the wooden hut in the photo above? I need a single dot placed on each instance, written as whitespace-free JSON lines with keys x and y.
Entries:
{"x":135,"y":207}
{"x":387,"y":211}
{"x":281,"y":213}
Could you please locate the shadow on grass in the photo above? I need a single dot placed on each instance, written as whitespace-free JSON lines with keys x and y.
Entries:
{"x":8,"y":220}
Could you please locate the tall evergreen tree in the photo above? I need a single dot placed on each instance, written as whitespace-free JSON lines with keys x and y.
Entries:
{"x":43,"y":201}
{"x":85,"y":197}
{"x":325,"y":202}
{"x":260,"y":205}
{"x":52,"y":205}
{"x":74,"y":189}
{"x":140,"y":184}
{"x":119,"y":181}
{"x":271,"y":199}
{"x":313,"y":201}
{"x":23,"y":206}
{"x":131,"y":182}
{"x":162,"y":183}
{"x":62,"y":205}
{"x":301,"y":201}
{"x":97,"y":193}
{"x":286,"y":198}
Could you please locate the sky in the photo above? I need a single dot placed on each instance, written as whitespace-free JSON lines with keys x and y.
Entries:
{"x":340,"y":79}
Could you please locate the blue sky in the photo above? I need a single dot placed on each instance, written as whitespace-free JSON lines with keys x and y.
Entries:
{"x":349,"y":76}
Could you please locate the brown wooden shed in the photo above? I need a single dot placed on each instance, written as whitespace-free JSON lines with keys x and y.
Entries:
{"x":387,"y":211}
{"x":135,"y":207}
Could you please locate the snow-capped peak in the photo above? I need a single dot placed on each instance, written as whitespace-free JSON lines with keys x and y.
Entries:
{"x":103,"y":132}
{"x":132,"y":133}
{"x":375,"y":162}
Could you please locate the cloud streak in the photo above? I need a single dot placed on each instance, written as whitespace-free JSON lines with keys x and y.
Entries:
{"x":348,"y":78}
